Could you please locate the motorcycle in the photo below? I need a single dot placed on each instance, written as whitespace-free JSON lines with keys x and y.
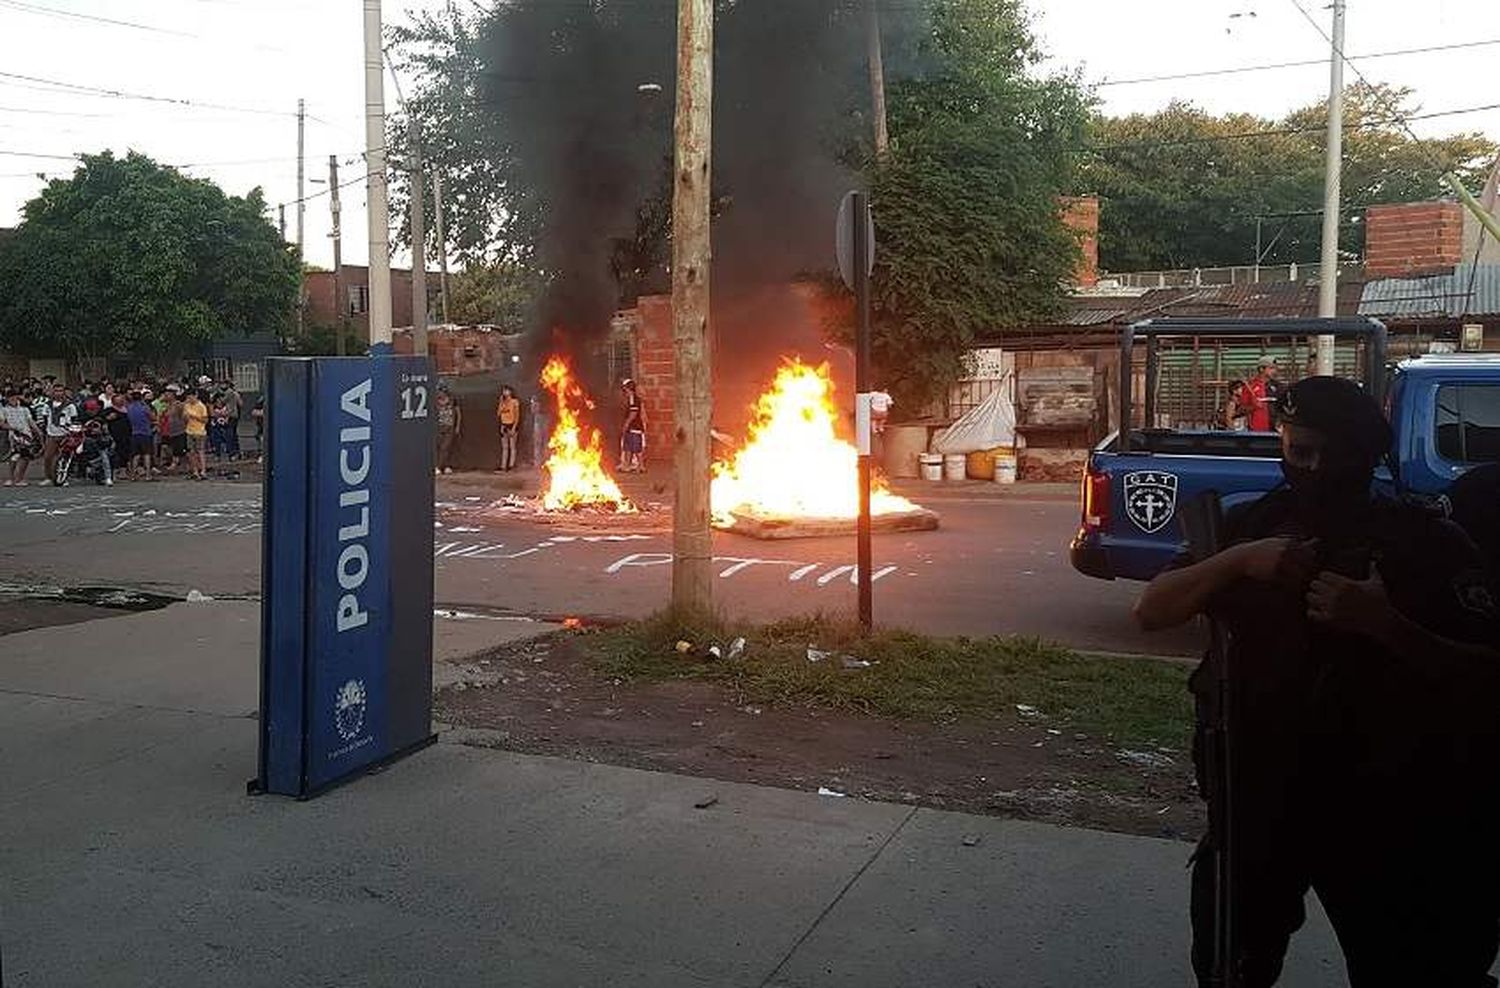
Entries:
{"x":93,"y":446}
{"x":67,"y":449}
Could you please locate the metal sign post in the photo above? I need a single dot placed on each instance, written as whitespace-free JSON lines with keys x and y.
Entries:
{"x":346,"y":581}
{"x":856,"y":254}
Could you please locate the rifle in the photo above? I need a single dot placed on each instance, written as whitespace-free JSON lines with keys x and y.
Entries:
{"x":1201,"y":519}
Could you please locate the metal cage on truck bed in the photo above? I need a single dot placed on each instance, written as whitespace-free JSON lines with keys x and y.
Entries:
{"x":1229,"y":339}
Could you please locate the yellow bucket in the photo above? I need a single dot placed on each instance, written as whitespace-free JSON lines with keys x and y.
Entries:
{"x":981,"y":465}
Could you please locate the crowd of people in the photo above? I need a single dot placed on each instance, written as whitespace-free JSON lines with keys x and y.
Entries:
{"x":136,"y":430}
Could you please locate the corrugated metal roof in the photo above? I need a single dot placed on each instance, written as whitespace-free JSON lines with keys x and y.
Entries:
{"x":1469,"y":290}
{"x":1093,"y":317}
{"x":1285,"y":299}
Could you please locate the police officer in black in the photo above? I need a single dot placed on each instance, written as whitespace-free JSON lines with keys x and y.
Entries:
{"x":1364,"y":679}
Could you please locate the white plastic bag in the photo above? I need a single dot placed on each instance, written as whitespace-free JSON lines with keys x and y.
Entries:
{"x":991,"y":423}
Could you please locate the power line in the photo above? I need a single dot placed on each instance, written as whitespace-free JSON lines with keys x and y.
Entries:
{"x":1403,"y":120}
{"x":33,"y":154}
{"x":32,"y":8}
{"x":342,"y":185}
{"x":74,"y":87}
{"x":1400,"y":119}
{"x":226,"y":164}
{"x":1397,"y":116}
{"x":1268,"y":66}
{"x":50,"y":113}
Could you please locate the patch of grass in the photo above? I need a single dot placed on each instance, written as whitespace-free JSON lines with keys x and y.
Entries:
{"x":912,"y":676}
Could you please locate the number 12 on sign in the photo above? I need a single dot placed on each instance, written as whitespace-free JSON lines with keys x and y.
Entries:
{"x":414,"y":402}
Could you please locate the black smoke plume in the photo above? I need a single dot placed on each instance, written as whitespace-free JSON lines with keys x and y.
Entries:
{"x":584,"y":91}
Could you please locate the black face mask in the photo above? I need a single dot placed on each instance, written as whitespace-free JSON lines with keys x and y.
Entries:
{"x":1329,"y":496}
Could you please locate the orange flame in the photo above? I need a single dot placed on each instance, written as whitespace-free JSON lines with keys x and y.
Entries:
{"x":794,"y":465}
{"x":575,"y":469}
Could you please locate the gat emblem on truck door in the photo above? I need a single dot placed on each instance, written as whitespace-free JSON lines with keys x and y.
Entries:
{"x":1150,"y":499}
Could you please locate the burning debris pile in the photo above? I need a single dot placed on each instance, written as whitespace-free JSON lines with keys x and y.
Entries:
{"x":794,"y":477}
{"x":575,"y":475}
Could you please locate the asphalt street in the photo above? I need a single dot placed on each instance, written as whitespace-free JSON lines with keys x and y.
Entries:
{"x":996,"y":566}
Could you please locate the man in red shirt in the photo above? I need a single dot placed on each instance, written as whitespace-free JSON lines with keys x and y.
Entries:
{"x":1258,"y":395}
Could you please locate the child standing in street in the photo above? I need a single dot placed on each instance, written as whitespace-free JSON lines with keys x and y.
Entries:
{"x":633,"y":439}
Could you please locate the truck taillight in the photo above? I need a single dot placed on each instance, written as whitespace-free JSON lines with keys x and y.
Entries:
{"x":1095,"y":499}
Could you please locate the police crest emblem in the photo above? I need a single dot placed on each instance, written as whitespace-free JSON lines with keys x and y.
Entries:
{"x":349,"y":706}
{"x":1150,"y":499}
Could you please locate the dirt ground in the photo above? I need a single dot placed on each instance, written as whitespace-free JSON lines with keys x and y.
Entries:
{"x":543,"y":697}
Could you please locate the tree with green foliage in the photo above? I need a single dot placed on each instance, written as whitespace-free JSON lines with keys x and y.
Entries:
{"x":131,"y":257}
{"x":322,"y":340}
{"x":502,"y":294}
{"x":967,"y":200}
{"x":1182,"y":188}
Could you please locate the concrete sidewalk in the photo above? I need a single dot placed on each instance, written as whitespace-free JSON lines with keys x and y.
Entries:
{"x":130,"y":855}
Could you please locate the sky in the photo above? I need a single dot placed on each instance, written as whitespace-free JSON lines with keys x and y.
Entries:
{"x":227,"y":75}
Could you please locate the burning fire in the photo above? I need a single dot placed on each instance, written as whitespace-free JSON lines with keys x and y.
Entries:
{"x":575,"y":470}
{"x":794,"y":464}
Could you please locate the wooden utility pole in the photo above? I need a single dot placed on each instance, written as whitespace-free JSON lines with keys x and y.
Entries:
{"x":301,"y":212}
{"x":340,"y":303}
{"x":877,"y":83}
{"x":442,"y":241}
{"x":418,"y":240}
{"x":692,"y":254}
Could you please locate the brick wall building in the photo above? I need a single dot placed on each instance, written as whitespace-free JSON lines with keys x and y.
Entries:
{"x":322,"y":308}
{"x":459,"y":351}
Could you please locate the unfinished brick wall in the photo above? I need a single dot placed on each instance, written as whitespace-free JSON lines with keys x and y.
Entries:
{"x":457,"y":351}
{"x":1414,"y":238}
{"x":654,"y":359}
{"x":1081,"y":215}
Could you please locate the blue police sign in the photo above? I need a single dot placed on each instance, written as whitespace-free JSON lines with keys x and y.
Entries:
{"x":346,"y":642}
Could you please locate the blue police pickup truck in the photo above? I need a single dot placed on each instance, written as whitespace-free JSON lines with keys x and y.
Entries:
{"x":1444,"y":410}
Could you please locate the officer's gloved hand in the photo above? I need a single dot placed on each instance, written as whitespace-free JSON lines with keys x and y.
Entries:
{"x":1289,"y":563}
{"x":1357,"y":606}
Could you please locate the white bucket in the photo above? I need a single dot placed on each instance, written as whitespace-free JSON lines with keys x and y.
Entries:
{"x":1005,"y":467}
{"x":956,"y":466}
{"x":931,"y":465}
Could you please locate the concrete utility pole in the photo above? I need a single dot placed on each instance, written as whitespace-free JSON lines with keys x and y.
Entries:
{"x":1333,"y":166}
{"x":380,"y":220}
{"x":442,"y":241}
{"x":340,"y":303}
{"x":692,"y":254}
{"x":418,"y":239}
{"x":301,"y":209}
{"x":877,"y":83}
